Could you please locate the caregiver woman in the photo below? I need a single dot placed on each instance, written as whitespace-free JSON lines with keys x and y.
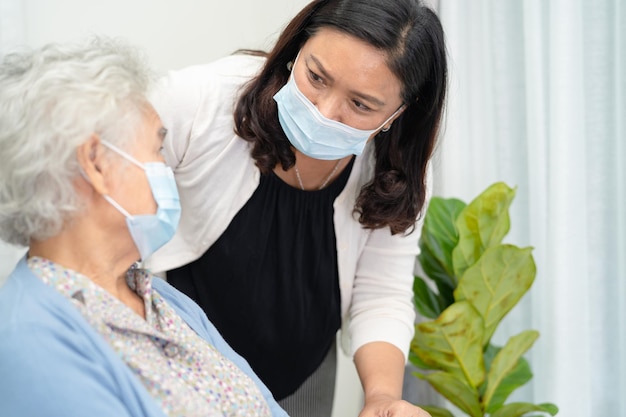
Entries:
{"x":302,"y":174}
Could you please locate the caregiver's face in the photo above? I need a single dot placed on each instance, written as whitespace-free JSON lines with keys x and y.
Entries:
{"x":347,"y":79}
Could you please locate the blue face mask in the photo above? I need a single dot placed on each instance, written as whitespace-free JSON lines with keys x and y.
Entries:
{"x":313,"y":134}
{"x":150,"y":232}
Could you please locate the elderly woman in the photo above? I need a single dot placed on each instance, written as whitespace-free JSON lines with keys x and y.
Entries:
{"x":84,"y":331}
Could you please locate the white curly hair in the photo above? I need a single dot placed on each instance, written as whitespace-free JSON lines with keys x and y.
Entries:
{"x":52,"y":100}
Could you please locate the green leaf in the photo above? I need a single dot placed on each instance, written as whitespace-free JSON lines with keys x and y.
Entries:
{"x":483,"y":223}
{"x":503,"y":365}
{"x":436,"y":411}
{"x":445,"y":283}
{"x":453,"y":343}
{"x":519,"y":409}
{"x":456,"y":391}
{"x":426,"y":301}
{"x":489,"y":352}
{"x":438,"y":239}
{"x":496,"y":283}
{"x":415,"y":360}
{"x":519,"y":376}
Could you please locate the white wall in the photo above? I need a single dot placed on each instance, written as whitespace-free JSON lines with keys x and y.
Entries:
{"x":9,"y":255}
{"x":174,"y":33}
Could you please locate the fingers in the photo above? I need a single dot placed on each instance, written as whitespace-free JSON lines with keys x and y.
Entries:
{"x":396,"y":408}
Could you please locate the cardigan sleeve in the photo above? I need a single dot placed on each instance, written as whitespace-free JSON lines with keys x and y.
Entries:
{"x":381,"y":307}
{"x":49,"y":373}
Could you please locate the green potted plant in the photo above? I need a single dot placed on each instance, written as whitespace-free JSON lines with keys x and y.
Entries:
{"x":473,"y":281}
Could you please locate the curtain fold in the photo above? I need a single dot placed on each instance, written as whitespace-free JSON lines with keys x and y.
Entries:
{"x":537,"y":99}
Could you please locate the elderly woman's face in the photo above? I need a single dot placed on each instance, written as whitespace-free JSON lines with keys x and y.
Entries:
{"x":347,"y":79}
{"x":131,"y":188}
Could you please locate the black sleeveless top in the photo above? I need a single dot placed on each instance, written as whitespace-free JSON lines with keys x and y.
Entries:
{"x":270,"y":283}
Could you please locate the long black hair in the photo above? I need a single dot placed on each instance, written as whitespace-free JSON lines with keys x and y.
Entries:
{"x":412,"y":37}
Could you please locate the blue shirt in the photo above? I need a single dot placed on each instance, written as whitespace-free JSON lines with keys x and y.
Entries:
{"x":53,"y":363}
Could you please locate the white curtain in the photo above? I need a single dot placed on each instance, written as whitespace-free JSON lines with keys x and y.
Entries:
{"x":11,"y":35}
{"x":537,"y":99}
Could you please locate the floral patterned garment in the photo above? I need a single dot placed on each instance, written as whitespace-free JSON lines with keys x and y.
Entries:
{"x":182,"y":371}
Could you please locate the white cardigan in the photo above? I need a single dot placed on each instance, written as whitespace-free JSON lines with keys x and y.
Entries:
{"x":216,"y":176}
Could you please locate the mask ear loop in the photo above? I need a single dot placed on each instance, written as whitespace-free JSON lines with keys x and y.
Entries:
{"x":118,"y":207}
{"x":123,"y":153}
{"x":386,"y":129}
{"x":106,"y":197}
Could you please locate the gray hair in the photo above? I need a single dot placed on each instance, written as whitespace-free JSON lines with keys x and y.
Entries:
{"x":52,"y":100}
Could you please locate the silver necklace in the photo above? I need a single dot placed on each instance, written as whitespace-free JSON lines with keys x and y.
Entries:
{"x":325,"y":181}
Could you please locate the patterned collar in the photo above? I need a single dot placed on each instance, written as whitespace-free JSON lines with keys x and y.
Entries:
{"x":89,"y":297}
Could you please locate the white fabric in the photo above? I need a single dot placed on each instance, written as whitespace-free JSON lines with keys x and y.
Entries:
{"x":11,"y":35}
{"x":537,"y":99}
{"x":216,"y":176}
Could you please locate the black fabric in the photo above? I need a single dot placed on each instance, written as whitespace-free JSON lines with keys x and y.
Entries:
{"x":316,"y":395}
{"x":270,"y":282}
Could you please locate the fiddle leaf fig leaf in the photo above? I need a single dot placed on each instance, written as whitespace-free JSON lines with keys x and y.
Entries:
{"x":439,"y":237}
{"x":483,"y":223}
{"x":504,"y":363}
{"x":445,"y":283}
{"x":436,"y":411}
{"x":489,"y":354}
{"x":453,"y":343}
{"x":519,"y":376}
{"x":415,"y":360}
{"x":519,"y":409}
{"x":425,"y":299}
{"x":456,"y":390}
{"x":495,"y":284}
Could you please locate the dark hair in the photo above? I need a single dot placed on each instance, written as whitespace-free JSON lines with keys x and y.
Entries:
{"x":412,"y":37}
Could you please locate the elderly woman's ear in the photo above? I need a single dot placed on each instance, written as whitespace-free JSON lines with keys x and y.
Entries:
{"x":93,"y":164}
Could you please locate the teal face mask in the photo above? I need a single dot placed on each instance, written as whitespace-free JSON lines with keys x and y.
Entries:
{"x":313,"y":134}
{"x":150,"y":232}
